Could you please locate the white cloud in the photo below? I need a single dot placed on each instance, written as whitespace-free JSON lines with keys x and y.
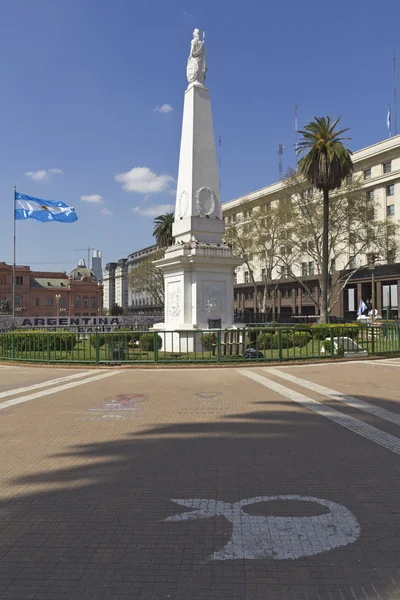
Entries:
{"x":164,"y":108}
{"x":105,"y":212}
{"x":143,"y":181}
{"x":154,"y":210}
{"x":92,"y":198}
{"x":43,"y":174}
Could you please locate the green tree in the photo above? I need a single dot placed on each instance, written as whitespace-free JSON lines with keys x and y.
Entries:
{"x":327,"y":163}
{"x":163,"y":230}
{"x":116,"y":310}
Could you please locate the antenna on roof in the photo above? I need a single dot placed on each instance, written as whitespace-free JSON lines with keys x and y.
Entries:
{"x":280,"y":154}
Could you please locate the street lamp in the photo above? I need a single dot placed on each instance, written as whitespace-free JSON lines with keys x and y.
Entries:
{"x":100,"y":286}
{"x":58,"y":298}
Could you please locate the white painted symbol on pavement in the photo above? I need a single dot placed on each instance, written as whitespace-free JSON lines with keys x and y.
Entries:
{"x":276,"y":538}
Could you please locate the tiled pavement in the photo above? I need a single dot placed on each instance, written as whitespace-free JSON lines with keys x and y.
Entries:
{"x":89,"y":473}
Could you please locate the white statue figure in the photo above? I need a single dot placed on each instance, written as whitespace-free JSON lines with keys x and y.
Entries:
{"x":196,"y":66}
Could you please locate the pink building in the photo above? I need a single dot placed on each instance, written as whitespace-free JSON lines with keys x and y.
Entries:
{"x":48,"y":294}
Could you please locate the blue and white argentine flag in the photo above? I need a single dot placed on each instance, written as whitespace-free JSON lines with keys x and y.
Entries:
{"x":27,"y":207}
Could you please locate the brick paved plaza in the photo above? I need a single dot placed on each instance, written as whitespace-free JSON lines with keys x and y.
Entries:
{"x":246,"y":483}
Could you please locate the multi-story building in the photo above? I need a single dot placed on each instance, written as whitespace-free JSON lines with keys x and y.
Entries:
{"x":96,"y":265}
{"x":50,"y":294}
{"x":378,"y":167}
{"x":140,"y":298}
{"x":118,"y":288}
{"x":109,"y":286}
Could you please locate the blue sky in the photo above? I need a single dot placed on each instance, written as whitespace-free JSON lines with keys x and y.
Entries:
{"x":81,"y":80}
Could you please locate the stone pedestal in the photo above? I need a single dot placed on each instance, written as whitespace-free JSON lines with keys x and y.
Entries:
{"x":199,"y":280}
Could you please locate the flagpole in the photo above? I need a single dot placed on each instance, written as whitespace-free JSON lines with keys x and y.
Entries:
{"x":15,"y":247}
{"x":395,"y":93}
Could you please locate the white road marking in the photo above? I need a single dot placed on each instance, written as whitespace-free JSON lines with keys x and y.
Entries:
{"x":390,"y":442}
{"x":43,"y":384}
{"x":382,"y":413}
{"x":55,"y":390}
{"x":277,"y":538}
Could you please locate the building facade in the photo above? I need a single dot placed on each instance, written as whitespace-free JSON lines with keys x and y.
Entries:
{"x":378,"y":168}
{"x":118,"y":288}
{"x":50,"y":294}
{"x":96,"y":264}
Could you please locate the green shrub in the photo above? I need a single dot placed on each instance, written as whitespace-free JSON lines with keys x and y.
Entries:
{"x":207,"y":341}
{"x":254,"y":332}
{"x":268,"y":340}
{"x":38,"y":341}
{"x":300,"y":338}
{"x":289,"y":339}
{"x":146,"y":342}
{"x":120,"y":337}
{"x":322,"y":332}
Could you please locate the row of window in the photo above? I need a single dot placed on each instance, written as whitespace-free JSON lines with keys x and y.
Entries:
{"x":285,"y":293}
{"x":389,"y":192}
{"x":141,"y":302}
{"x":386,"y":168}
{"x":49,"y":301}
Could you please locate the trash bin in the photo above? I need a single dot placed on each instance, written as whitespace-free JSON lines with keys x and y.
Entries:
{"x":118,"y":353}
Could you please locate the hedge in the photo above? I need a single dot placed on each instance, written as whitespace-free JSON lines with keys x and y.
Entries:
{"x":37,"y":341}
{"x":119,"y":337}
{"x":207,"y":341}
{"x":321,"y":332}
{"x":290,"y":339}
{"x":146,"y":342}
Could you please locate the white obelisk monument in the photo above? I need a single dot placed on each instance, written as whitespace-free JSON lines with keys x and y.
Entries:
{"x":198,"y":268}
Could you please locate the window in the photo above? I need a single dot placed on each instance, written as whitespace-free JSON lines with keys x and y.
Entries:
{"x":370,"y":195}
{"x":263,"y":272}
{"x":3,"y":280}
{"x":17,"y":300}
{"x":233,"y":218}
{"x":352,"y":262}
{"x":246,"y":277}
{"x":311,"y":267}
{"x":304,"y":269}
{"x":77,"y":301}
{"x":85,"y":302}
{"x":49,"y":301}
{"x":390,"y":190}
{"x":387,"y":167}
{"x":390,"y":210}
{"x":391,"y":256}
{"x":333,"y":265}
{"x":19,"y":280}
{"x":35,"y":301}
{"x":63,"y":302}
{"x":367,"y":174}
{"x":93,"y":302}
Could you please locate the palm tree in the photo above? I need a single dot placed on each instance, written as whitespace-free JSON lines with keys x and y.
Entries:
{"x":326,"y":164}
{"x":163,"y":230}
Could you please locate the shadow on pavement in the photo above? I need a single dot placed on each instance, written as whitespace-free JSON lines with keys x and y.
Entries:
{"x":95,"y":527}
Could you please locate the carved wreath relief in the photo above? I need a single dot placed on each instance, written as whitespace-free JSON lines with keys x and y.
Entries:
{"x":205,"y":201}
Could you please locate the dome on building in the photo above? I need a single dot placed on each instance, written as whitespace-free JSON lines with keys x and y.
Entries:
{"x":82,"y":273}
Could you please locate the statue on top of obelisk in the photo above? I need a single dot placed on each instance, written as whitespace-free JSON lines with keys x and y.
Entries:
{"x":196,"y":66}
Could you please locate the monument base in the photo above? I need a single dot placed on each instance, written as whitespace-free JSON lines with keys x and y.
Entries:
{"x":190,"y":339}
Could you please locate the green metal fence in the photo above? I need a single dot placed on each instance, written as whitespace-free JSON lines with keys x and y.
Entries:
{"x":256,"y":344}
